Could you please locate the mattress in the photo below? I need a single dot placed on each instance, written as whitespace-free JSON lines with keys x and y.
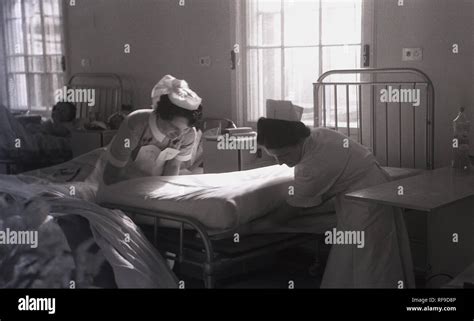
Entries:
{"x":218,"y":201}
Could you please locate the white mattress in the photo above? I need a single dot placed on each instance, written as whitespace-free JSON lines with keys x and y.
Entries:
{"x":218,"y":201}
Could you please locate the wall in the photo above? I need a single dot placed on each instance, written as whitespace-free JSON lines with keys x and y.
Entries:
{"x":164,"y":38}
{"x":434,"y":25}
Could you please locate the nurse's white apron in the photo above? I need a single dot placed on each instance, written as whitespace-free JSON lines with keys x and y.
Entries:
{"x":328,"y":169}
{"x":385,"y":260}
{"x":150,"y":161}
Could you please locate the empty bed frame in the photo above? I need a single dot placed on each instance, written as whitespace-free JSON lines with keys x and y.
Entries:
{"x":200,"y":254}
{"x":112,"y":92}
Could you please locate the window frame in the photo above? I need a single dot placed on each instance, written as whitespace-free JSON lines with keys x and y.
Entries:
{"x":240,"y":99}
{"x":26,"y":55}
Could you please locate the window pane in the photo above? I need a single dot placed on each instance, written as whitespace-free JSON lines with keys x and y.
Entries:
{"x":53,"y":64}
{"x":264,"y":80}
{"x":14,"y":37}
{"x":53,"y":35}
{"x":301,"y":22}
{"x":35,"y":63}
{"x":13,"y":8}
{"x":34,"y":36}
{"x":57,"y":81}
{"x":32,"y":7}
{"x":48,"y":7}
{"x":341,"y":21}
{"x":17,"y":91}
{"x":341,"y":57}
{"x":16,"y":64}
{"x":264,"y":23}
{"x":41,"y":94}
{"x":301,"y":70}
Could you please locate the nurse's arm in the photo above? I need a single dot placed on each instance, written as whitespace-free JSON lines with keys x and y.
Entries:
{"x":172,"y":168}
{"x":284,"y":213}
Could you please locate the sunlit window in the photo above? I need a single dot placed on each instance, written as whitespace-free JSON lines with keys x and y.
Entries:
{"x":33,"y":50}
{"x":291,"y":42}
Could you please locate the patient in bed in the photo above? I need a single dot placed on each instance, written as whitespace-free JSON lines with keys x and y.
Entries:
{"x":47,"y":139}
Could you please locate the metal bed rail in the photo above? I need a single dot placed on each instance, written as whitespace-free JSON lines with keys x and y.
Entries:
{"x":212,"y":264}
{"x":321,"y":109}
{"x":110,"y":94}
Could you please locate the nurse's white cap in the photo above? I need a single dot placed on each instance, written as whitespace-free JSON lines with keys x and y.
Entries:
{"x":178,"y":92}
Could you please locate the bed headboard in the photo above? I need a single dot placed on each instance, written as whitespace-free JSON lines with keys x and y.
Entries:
{"x":110,"y":94}
{"x":389,"y":110}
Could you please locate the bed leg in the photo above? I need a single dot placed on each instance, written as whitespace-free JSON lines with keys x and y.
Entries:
{"x":209,"y":281}
{"x":316,"y":268}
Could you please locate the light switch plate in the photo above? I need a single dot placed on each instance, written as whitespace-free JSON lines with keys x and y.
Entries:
{"x":205,"y":61}
{"x":85,"y":62}
{"x":412,"y":54}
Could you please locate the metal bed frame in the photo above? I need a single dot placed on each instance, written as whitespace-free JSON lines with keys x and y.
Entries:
{"x":110,"y":94}
{"x":206,"y":262}
{"x":321,"y":113}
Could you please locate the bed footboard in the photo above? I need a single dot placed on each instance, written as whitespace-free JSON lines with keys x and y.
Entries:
{"x":389,"y":110}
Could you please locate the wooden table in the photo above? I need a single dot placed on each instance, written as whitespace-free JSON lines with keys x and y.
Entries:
{"x":438,"y":205}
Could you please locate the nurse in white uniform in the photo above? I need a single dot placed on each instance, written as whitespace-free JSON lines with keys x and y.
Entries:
{"x":154,"y":142}
{"x":328,"y":164}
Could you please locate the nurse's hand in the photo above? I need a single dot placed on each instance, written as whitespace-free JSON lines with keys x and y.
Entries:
{"x":172,"y":168}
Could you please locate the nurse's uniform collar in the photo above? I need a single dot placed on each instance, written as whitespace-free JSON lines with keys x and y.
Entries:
{"x":159,"y":136}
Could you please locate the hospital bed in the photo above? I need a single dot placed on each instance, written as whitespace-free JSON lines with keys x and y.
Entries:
{"x":112,"y":92}
{"x":177,"y":223}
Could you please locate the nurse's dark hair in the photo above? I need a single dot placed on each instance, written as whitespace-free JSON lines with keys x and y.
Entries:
{"x":166,"y":110}
{"x":277,"y":133}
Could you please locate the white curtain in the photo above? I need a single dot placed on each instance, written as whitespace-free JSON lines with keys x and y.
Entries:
{"x":32,"y":30}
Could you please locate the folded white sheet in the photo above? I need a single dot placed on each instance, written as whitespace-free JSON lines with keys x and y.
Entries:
{"x":218,"y":201}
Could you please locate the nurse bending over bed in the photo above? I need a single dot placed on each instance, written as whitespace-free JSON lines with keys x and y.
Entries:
{"x":328,"y":164}
{"x":154,"y":142}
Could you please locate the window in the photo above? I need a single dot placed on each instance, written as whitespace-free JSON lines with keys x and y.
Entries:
{"x":289,"y":43}
{"x":33,"y":52}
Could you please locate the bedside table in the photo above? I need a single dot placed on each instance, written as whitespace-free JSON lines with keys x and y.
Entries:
{"x":221,"y":161}
{"x":84,"y":141}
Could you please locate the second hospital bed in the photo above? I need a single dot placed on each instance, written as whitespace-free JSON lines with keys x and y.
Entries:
{"x":195,"y":220}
